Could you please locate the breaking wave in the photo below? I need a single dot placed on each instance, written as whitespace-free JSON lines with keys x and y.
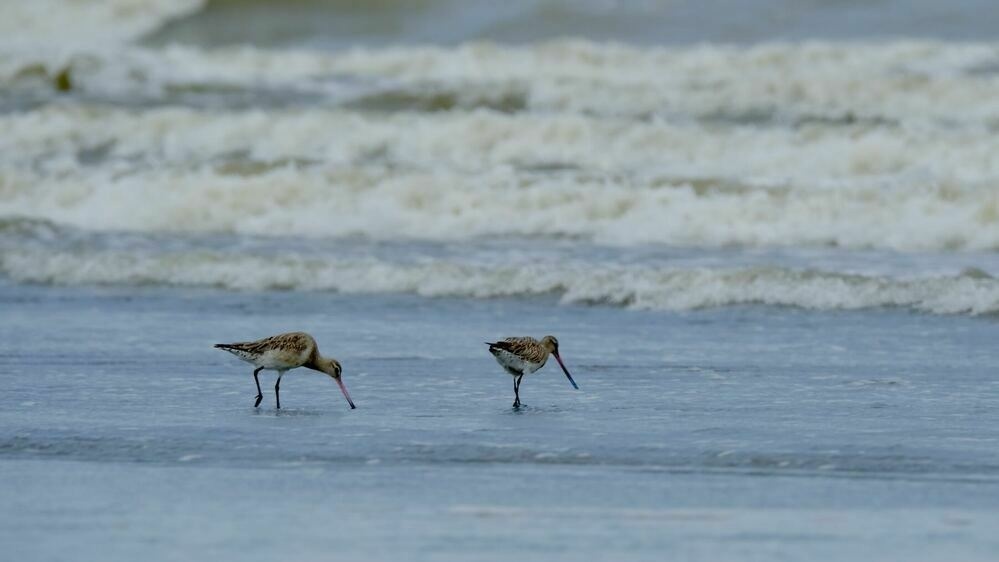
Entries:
{"x":292,"y":199}
{"x":448,"y":177}
{"x":63,"y":22}
{"x":884,"y":147}
{"x":879,"y":84}
{"x":971,"y":292}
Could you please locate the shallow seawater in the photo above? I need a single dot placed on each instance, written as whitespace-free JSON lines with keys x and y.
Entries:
{"x":738,"y":433}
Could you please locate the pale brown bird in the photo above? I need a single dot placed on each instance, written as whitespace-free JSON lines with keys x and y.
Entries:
{"x":523,"y":356}
{"x":282,"y":353}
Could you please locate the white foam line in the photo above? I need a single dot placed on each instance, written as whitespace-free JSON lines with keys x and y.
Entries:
{"x":441,"y":206}
{"x":632,"y":287}
{"x":905,"y":81}
{"x":52,"y":139}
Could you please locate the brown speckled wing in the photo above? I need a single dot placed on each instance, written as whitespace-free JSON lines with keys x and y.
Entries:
{"x":528,"y":349}
{"x":292,"y":343}
{"x":295,"y":342}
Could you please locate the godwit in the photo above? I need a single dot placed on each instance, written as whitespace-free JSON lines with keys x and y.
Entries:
{"x":282,"y":353}
{"x":523,"y":356}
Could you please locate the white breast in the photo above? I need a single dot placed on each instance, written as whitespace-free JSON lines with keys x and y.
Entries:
{"x":514,"y":364}
{"x":274,"y":359}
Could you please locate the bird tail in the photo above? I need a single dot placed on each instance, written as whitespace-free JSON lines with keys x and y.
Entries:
{"x":499,"y":345}
{"x":232,"y":347}
{"x":238,"y":349}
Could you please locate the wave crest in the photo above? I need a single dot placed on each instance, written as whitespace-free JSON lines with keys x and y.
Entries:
{"x":441,"y":205}
{"x":62,"y":22}
{"x":901,"y":83}
{"x":972,"y":292}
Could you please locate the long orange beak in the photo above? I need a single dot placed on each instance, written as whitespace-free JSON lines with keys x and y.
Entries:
{"x":346,"y":394}
{"x":566,"y":371}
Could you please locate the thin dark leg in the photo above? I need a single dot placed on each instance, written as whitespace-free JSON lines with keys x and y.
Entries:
{"x":516,"y":390}
{"x":277,"y":390}
{"x":260,"y":395}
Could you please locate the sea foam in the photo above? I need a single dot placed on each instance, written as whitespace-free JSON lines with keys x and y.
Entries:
{"x":63,"y":22}
{"x":902,"y":82}
{"x":335,"y":173}
{"x":971,"y":292}
{"x":442,"y":205}
{"x":885,"y":146}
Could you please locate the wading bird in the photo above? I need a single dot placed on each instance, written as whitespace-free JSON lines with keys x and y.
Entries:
{"x":523,"y":356}
{"x":282,"y":353}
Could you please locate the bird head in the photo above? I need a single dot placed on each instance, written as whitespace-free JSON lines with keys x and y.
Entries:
{"x":332,"y":368}
{"x":550,"y":343}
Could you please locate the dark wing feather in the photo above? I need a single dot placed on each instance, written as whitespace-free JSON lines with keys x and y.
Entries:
{"x":526,"y":348}
{"x":245,"y":346}
{"x":499,"y":345}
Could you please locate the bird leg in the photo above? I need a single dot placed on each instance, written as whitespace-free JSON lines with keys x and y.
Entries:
{"x":277,"y":389}
{"x":516,"y":390}
{"x":260,"y":395}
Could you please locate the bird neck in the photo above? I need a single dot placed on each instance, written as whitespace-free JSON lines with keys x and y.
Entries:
{"x":316,"y":361}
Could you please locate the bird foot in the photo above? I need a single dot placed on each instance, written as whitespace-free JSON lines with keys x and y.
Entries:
{"x":259,"y":398}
